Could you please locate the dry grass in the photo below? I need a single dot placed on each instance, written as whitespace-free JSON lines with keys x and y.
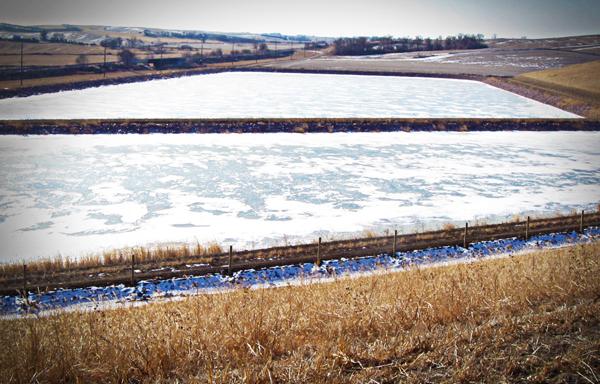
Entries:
{"x":532,"y":318}
{"x":68,"y":59}
{"x":51,"y":60}
{"x":448,"y":226}
{"x":69,"y":79}
{"x":584,"y":78}
{"x":575,"y":87}
{"x":14,"y":48}
{"x":59,"y":54}
{"x":116,"y":258}
{"x":569,"y":99}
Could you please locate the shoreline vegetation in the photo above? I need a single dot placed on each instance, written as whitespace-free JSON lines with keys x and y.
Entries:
{"x":532,"y":317}
{"x":290,"y":125}
{"x":116,"y":266}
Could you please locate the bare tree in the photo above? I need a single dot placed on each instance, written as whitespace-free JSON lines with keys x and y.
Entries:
{"x":127,"y":57}
{"x":81,"y":59}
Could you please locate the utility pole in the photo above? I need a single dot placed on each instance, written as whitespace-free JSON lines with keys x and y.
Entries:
{"x":105,"y":61}
{"x":232,"y":49}
{"x":25,"y":280}
{"x":21,"y":63}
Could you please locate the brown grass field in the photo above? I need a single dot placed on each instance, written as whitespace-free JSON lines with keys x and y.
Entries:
{"x":583,"y":43}
{"x":579,"y":78}
{"x":529,"y":318}
{"x":575,"y":88}
{"x":14,"y":84}
{"x":59,"y":54}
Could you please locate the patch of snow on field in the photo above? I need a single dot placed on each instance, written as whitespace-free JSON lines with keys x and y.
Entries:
{"x":401,"y":56}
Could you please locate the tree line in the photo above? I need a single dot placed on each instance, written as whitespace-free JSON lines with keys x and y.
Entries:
{"x":354,"y":46}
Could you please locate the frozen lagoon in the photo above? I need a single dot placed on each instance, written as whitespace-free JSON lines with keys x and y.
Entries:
{"x":286,"y":95}
{"x":77,"y":194}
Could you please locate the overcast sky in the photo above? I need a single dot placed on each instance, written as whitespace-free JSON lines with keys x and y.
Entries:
{"x":506,"y":18}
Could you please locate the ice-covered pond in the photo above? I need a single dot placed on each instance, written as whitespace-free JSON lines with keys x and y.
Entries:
{"x":74,"y":194}
{"x":255,"y":94}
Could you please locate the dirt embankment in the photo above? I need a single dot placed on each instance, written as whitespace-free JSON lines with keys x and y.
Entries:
{"x":143,"y":126}
{"x":113,"y":79}
{"x":365,"y":72}
{"x":575,"y":88}
{"x":567,"y":102}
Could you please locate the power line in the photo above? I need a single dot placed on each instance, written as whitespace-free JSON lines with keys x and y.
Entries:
{"x":22,"y":63}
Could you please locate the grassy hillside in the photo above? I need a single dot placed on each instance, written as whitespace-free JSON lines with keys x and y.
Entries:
{"x":579,"y":78}
{"x":49,"y":53}
{"x":574,"y":87}
{"x":528,"y":318}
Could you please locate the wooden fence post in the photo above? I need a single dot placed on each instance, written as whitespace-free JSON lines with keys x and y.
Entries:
{"x":465,"y":235}
{"x":230,"y":258}
{"x":25,"y":279}
{"x":527,"y":228}
{"x":132,"y":270}
{"x":581,"y":222}
{"x":395,"y":242}
{"x":319,"y":253}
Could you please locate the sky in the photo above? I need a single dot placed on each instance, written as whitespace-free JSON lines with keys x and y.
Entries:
{"x":332,"y":18}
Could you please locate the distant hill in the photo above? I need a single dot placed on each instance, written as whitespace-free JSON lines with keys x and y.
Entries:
{"x":6,"y":27}
{"x":92,"y":34}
